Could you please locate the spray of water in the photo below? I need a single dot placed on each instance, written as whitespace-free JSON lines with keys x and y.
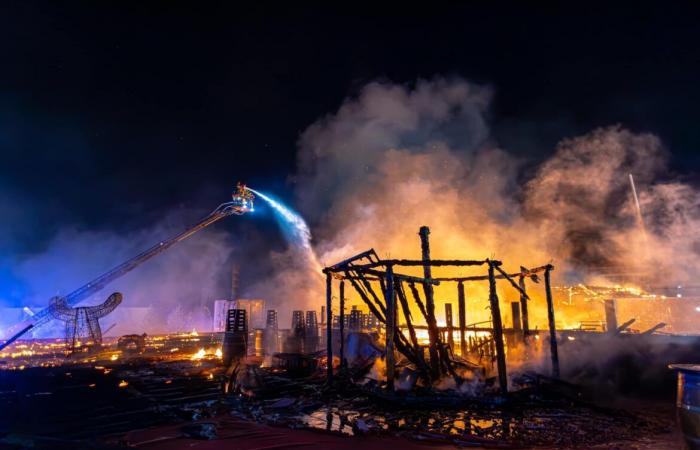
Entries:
{"x":294,"y":228}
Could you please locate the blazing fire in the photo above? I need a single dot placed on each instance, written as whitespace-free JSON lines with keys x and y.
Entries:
{"x":199,"y":355}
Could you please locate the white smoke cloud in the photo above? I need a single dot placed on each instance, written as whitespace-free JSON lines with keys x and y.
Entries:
{"x":397,"y":157}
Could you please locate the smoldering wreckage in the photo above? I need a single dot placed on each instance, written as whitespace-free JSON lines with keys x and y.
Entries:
{"x":387,"y":370}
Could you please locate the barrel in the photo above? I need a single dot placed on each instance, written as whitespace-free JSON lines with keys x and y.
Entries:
{"x":688,"y":403}
{"x":234,"y":346}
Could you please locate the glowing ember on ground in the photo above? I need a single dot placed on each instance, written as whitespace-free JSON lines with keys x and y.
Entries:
{"x":123,"y":384}
{"x":199,"y":355}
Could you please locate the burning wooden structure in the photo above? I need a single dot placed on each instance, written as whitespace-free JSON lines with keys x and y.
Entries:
{"x":366,"y":270}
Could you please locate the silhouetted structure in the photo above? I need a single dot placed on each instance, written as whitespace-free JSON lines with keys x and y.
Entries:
{"x":388,"y":293}
{"x":83,"y":321}
{"x":236,"y":336}
{"x":311,"y":336}
{"x":271,"y":333}
{"x":132,"y":343}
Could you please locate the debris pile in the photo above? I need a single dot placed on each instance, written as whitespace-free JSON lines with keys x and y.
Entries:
{"x":543,"y":412}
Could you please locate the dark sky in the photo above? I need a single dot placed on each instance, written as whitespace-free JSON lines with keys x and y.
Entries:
{"x":113,"y":112}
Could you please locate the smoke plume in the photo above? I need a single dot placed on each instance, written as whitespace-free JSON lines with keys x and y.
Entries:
{"x":396,"y":157}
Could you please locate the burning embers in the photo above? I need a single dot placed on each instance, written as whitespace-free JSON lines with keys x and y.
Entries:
{"x":390,"y":294}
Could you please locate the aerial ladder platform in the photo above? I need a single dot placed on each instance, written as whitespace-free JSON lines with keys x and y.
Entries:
{"x":241,"y":203}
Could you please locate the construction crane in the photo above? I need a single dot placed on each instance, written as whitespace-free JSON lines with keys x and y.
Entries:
{"x":241,"y":203}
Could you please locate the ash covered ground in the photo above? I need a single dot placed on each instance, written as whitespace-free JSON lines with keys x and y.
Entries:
{"x":174,"y":399}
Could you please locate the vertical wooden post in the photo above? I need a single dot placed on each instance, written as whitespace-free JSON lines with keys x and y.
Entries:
{"x":433,"y":333}
{"x":523,"y":309}
{"x":552,"y":325}
{"x":497,"y":332}
{"x":390,"y":327}
{"x":342,"y":324}
{"x":610,"y":316}
{"x":450,"y":327}
{"x":462,"y":318}
{"x":515,"y":335}
{"x":515,"y":312}
{"x":329,"y":326}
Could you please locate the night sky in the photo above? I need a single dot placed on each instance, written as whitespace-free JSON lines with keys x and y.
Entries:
{"x":112,"y":113}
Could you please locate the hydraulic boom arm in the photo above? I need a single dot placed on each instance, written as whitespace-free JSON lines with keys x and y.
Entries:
{"x":242,"y":203}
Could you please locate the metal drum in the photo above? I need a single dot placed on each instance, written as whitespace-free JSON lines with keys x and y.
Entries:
{"x":688,"y":403}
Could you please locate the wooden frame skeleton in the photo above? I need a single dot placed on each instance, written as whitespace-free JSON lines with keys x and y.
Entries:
{"x":363,"y":269}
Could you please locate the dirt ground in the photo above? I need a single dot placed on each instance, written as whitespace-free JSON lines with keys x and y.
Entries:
{"x":236,"y":434}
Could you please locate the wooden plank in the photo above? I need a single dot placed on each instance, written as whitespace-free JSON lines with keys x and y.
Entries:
{"x":515,"y":313}
{"x":523,"y":309}
{"x":497,"y":332}
{"x":390,"y":328}
{"x":329,"y":327}
{"x":450,"y":328}
{"x":343,"y":363}
{"x":462,"y":319}
{"x":554,"y":351}
{"x":433,"y":333}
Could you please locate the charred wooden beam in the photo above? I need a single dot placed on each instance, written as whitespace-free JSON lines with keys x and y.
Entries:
{"x":415,"y":263}
{"x":461,"y":306}
{"x":343,"y":362}
{"x":497,"y":332}
{"x":329,"y":327}
{"x":523,"y":309}
{"x":511,"y":281}
{"x":343,"y":277}
{"x":382,"y":285}
{"x":390,"y":327}
{"x":407,"y":315}
{"x":610,"y":316}
{"x":625,"y":326}
{"x":450,"y":329}
{"x":532,"y":273}
{"x":433,"y":333}
{"x":400,"y":340}
{"x":368,"y":288}
{"x":379,"y":274}
{"x":653,"y":329}
{"x":554,"y":351}
{"x":367,"y":254}
{"x":515,"y":313}
{"x":365,"y":298}
{"x":417,"y":299}
{"x":424,"y":370}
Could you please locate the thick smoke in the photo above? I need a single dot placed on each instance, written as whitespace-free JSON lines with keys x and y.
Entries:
{"x":396,"y":157}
